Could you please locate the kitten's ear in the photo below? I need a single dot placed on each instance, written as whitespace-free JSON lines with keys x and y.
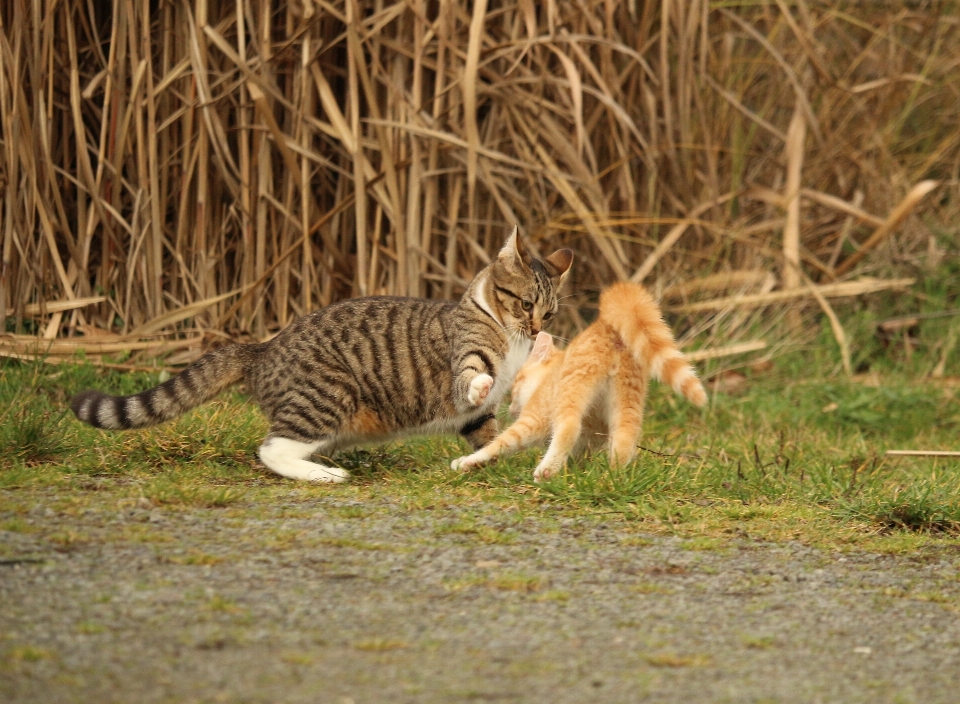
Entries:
{"x":543,"y":347}
{"x":514,"y":251}
{"x":560,"y":261}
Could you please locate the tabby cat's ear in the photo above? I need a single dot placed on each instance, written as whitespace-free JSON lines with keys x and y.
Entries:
{"x":560,"y":261}
{"x":543,"y":347}
{"x":514,"y":251}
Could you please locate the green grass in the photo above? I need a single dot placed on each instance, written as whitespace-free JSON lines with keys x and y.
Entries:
{"x":797,"y":455}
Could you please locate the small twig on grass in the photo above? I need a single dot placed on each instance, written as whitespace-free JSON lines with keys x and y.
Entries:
{"x":664,"y":454}
{"x":922,"y":453}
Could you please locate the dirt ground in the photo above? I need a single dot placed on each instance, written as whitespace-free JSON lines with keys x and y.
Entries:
{"x":329,"y":601}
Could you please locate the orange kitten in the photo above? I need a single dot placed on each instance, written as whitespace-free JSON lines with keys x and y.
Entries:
{"x":599,"y":381}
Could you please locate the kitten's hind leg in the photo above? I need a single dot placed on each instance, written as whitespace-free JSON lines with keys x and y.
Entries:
{"x":287,"y":458}
{"x":579,"y":387}
{"x":565,"y":434}
{"x":626,"y":412}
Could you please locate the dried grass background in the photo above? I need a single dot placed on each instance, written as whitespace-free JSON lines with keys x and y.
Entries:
{"x":230,"y":165}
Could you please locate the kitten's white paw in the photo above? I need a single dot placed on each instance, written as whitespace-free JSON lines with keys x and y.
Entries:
{"x":465,"y":463}
{"x":479,"y":388}
{"x":544,"y":472}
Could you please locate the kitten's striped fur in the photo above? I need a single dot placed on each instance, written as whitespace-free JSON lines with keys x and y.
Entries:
{"x":598,"y":383}
{"x":369,"y":368}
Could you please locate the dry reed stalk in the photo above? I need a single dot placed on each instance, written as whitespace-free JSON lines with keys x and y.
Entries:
{"x":728,"y":351}
{"x":720,"y":281}
{"x":835,"y":326}
{"x":154,"y":158}
{"x":846,"y":289}
{"x":50,"y":307}
{"x":897,"y":216}
{"x":28,"y":344}
{"x":672,"y":236}
{"x":796,"y":138}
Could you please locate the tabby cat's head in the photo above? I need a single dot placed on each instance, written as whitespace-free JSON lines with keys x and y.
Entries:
{"x":522,"y":290}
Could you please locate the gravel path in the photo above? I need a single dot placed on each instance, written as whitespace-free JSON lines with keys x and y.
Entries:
{"x":318,"y":601}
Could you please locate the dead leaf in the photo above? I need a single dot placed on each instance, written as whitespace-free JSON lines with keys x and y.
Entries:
{"x":728,"y":382}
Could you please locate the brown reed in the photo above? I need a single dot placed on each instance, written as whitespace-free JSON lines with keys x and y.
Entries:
{"x":231,"y":165}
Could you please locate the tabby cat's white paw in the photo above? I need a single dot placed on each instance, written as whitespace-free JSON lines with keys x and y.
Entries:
{"x":322,"y":473}
{"x":287,"y":458}
{"x":479,"y":388}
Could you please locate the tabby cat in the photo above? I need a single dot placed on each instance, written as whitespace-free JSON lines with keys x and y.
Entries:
{"x":599,"y":383}
{"x":368,"y":369}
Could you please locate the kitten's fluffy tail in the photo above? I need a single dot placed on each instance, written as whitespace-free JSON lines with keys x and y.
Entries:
{"x":631,"y":311}
{"x":198,"y":383}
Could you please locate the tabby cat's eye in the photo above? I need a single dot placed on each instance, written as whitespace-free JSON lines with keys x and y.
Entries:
{"x":547,"y":316}
{"x":527,"y":306}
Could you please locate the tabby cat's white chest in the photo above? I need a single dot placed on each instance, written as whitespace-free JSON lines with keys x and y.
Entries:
{"x":516,"y":355}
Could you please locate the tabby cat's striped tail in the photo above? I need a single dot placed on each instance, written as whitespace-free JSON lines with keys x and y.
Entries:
{"x":197,"y":384}
{"x":631,"y":311}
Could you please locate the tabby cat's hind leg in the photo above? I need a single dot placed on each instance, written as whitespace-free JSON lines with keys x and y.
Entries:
{"x":481,"y":431}
{"x":287,"y":458}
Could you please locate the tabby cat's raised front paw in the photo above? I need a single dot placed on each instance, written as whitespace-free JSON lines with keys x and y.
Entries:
{"x":479,"y":388}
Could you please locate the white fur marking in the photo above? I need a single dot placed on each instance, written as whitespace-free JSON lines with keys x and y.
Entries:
{"x":509,"y":248}
{"x":681,"y":378}
{"x":469,"y":461}
{"x":286,"y":458}
{"x":135,"y":410}
{"x":85,"y":409}
{"x":479,"y":388}
{"x":514,"y":359}
{"x":549,"y":465}
{"x":656,"y":366}
{"x":106,"y":416}
{"x":480,"y":298}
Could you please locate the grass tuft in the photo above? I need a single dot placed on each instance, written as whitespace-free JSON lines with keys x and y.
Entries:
{"x":924,"y":507}
{"x":593,"y":484}
{"x":166,"y":491}
{"x":31,"y":435}
{"x":516,"y":582}
{"x":27,"y":653}
{"x":674,"y":660}
{"x":379,"y":645}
